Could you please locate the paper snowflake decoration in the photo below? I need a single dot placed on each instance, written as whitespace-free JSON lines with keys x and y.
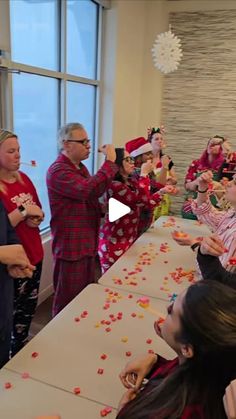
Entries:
{"x":167,"y":52}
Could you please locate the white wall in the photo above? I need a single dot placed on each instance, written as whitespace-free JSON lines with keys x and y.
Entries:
{"x":132,"y":86}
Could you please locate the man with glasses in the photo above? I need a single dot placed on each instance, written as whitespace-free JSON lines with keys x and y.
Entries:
{"x":75,"y":209}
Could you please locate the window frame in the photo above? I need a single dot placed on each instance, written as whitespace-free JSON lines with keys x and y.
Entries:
{"x":8,"y":66}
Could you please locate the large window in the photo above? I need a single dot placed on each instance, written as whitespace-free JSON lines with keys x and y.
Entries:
{"x":54,"y":58}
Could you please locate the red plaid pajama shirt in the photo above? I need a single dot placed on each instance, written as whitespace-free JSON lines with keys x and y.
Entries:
{"x":75,"y":220}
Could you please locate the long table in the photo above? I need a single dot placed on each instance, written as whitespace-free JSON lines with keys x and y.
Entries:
{"x":27,"y":399}
{"x":100,"y":323}
{"x":155,"y":265}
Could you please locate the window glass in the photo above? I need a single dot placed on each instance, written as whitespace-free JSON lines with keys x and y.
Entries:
{"x":82,"y":29}
{"x":35,"y":104}
{"x":81,"y":108}
{"x":34,"y":32}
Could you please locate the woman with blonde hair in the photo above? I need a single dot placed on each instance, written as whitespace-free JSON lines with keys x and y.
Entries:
{"x":21,"y":202}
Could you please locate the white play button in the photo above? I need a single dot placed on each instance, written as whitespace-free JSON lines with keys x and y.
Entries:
{"x":116,"y":209}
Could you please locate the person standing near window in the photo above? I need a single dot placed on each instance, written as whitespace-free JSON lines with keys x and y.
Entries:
{"x":22,"y":204}
{"x":76,"y":212}
{"x":13,"y":264}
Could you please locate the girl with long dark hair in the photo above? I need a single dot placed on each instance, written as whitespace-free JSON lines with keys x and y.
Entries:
{"x":201,"y":328}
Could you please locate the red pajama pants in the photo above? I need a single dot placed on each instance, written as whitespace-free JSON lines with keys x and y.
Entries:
{"x":69,"y":279}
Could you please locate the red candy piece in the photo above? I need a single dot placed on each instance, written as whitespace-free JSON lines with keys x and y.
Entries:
{"x":7,"y":386}
{"x":232,"y":261}
{"x":100,"y":371}
{"x":34,"y":354}
{"x":106,"y":411}
{"x":128,"y":353}
{"x":76,"y":390}
{"x":108,"y":329}
{"x":77,"y":319}
{"x":148,"y":341}
{"x":103,"y":356}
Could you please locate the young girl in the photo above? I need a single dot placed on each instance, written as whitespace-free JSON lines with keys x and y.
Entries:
{"x":201,"y":328}
{"x":141,"y":150}
{"x":163,"y":168}
{"x":116,"y":237}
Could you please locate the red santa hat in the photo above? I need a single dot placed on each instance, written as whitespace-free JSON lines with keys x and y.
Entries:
{"x":138,"y":146}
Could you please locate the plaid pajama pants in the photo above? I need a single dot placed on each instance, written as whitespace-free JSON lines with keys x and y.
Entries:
{"x":69,"y":279}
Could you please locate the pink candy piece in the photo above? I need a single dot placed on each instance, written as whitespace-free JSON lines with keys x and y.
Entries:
{"x":25,"y":375}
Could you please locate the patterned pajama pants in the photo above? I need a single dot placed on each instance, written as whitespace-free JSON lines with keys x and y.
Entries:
{"x":69,"y":279}
{"x":25,"y":303}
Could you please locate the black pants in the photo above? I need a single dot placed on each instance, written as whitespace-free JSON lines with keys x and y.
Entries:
{"x":25,"y":302}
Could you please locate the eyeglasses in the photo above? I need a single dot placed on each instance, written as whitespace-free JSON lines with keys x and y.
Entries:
{"x":129,"y":159}
{"x":84,"y":142}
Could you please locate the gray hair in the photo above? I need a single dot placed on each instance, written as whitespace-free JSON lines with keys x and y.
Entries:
{"x":65,"y":132}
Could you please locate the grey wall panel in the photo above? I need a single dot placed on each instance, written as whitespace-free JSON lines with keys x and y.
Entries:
{"x":199,"y":99}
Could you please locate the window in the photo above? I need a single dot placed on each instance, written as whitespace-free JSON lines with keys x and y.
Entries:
{"x":55,"y":79}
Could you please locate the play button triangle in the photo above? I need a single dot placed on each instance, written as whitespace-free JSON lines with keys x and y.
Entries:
{"x":116,"y":209}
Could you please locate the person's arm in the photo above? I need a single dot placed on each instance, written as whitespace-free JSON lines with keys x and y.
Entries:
{"x":68,"y":182}
{"x":209,"y":251}
{"x":172,"y":178}
{"x":162,"y":175}
{"x":203,"y":183}
{"x":136,"y":370}
{"x":17,"y":216}
{"x":211,"y":268}
{"x":191,"y":180}
{"x":229,"y":400}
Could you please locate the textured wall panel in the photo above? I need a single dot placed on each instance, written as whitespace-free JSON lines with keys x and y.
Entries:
{"x":199,"y":99}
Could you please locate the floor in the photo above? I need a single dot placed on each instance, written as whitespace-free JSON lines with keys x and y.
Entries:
{"x":42,"y":316}
{"x":43,"y":313}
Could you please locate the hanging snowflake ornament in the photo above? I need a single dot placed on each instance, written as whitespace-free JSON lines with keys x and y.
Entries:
{"x":167,"y":52}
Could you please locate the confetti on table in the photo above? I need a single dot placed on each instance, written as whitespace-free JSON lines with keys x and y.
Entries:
{"x":25,"y":375}
{"x":179,"y":234}
{"x":100,"y":371}
{"x":34,"y":354}
{"x":105,"y":412}
{"x":149,"y":341}
{"x":103,"y":356}
{"x":108,"y":329}
{"x":77,"y":390}
{"x":128,"y":353}
{"x":179,"y":275}
{"x":124,"y":339}
{"x":143,"y":302}
{"x":7,"y":386}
